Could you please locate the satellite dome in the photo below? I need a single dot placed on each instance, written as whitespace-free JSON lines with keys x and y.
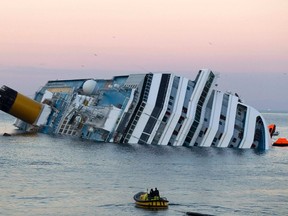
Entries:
{"x":89,"y":87}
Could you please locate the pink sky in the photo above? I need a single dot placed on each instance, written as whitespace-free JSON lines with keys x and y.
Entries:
{"x":53,"y":39}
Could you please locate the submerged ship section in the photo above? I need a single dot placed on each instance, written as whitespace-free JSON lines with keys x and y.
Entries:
{"x":152,"y":108}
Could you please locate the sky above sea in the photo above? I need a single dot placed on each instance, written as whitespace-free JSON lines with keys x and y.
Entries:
{"x":245,"y":41}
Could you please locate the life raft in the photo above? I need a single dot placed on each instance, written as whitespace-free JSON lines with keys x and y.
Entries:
{"x":281,"y":142}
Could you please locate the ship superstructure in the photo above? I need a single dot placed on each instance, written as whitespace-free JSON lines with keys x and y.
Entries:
{"x":152,"y":108}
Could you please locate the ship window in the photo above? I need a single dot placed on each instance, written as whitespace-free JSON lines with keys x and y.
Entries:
{"x":220,"y":136}
{"x":180,"y":120}
{"x":201,"y":133}
{"x":141,"y":142}
{"x":144,"y":137}
{"x":197,"y":116}
{"x":184,"y":110}
{"x":164,"y":119}
{"x":205,"y":130}
{"x":175,"y":132}
{"x":234,"y":140}
{"x":240,"y":135}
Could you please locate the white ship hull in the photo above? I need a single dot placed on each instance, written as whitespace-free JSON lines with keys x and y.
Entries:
{"x":159,"y":109}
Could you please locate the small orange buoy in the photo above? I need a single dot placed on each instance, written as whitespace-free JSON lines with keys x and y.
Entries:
{"x":281,"y":142}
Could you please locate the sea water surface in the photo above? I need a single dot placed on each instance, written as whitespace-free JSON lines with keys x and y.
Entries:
{"x":52,"y":175}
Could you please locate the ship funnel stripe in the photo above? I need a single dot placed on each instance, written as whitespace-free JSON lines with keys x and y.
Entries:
{"x":7,"y":98}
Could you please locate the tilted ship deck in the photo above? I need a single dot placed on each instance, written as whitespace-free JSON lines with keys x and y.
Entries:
{"x":152,"y":108}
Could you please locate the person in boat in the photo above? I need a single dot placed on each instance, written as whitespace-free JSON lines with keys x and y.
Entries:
{"x":151,"y":194}
{"x":156,"y":193}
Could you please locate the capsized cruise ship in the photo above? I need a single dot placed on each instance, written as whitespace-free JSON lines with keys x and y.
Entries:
{"x":152,"y":108}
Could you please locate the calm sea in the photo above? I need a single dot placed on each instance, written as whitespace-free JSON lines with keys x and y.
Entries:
{"x":47,"y":175}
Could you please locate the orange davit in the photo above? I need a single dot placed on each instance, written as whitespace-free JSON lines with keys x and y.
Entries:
{"x":272,"y":129}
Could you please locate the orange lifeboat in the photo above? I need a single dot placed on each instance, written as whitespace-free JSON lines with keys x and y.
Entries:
{"x":281,"y":142}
